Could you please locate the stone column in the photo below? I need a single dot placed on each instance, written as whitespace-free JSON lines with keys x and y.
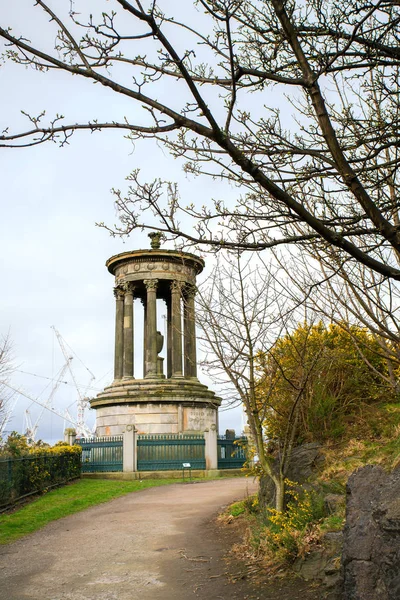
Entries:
{"x":128,"y":331}
{"x":169,"y":339}
{"x":144,"y":302}
{"x":151,"y":329}
{"x":129,"y":449}
{"x":190,"y":332}
{"x":211,"y":449}
{"x":70,"y":436}
{"x":176,"y":327}
{"x":119,"y":333}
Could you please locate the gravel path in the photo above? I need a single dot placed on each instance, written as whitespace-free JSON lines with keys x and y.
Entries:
{"x":161,"y":543}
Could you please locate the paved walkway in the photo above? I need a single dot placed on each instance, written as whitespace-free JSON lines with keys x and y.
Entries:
{"x":158,"y":543}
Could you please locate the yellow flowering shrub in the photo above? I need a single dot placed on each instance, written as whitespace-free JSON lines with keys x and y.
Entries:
{"x":288,"y":533}
{"x":38,"y":469}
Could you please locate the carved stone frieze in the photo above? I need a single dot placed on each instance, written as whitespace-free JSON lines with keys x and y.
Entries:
{"x":140,"y":266}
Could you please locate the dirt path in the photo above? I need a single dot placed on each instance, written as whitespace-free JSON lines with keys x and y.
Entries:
{"x":161,"y":543}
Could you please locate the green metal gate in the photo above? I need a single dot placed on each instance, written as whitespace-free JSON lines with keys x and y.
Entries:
{"x":231,"y":452}
{"x":102,"y":454}
{"x":169,"y":452}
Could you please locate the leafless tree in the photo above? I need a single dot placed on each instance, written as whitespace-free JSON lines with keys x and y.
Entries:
{"x":6,"y":368}
{"x":278,"y":97}
{"x":242,"y":311}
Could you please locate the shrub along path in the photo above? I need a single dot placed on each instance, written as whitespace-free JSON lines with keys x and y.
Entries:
{"x":160,"y":543}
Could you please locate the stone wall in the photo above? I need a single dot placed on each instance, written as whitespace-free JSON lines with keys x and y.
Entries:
{"x":371,"y":549}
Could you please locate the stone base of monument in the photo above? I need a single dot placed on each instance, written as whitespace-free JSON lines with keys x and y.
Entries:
{"x":156,"y":406}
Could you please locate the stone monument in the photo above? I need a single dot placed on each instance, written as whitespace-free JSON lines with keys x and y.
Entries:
{"x":163,"y":400}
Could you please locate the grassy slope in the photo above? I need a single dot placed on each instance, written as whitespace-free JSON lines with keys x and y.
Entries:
{"x":280,"y":545}
{"x":65,"y":501}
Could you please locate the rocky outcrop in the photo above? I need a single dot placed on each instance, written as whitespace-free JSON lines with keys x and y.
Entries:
{"x":371,"y":549}
{"x":304,"y":462}
{"x":324,"y":565}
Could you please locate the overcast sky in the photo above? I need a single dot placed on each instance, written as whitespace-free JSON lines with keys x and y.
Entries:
{"x":52,"y":254}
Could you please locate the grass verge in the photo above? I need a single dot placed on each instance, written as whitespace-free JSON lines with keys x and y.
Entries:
{"x":66,"y":501}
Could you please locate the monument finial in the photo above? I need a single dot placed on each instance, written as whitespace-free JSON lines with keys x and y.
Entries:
{"x":155,"y":237}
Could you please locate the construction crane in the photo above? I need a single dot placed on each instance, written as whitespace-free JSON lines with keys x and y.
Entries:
{"x":31,"y":428}
{"x":85,"y":431}
{"x":83,"y":400}
{"x":81,"y":403}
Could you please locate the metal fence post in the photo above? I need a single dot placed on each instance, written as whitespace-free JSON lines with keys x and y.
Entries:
{"x":129,"y":446}
{"x":210,"y":436}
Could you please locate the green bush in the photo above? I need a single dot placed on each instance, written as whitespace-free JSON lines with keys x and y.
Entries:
{"x":37,"y":470}
{"x":345,"y":384}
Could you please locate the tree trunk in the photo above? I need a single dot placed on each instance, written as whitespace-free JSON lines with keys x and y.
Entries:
{"x":280,"y":494}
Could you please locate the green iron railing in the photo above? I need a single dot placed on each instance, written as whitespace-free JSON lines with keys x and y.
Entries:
{"x":231,"y":452}
{"x":169,"y":452}
{"x":160,"y":453}
{"x":102,"y":454}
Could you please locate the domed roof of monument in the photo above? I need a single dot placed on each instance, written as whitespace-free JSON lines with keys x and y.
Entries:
{"x":156,"y":253}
